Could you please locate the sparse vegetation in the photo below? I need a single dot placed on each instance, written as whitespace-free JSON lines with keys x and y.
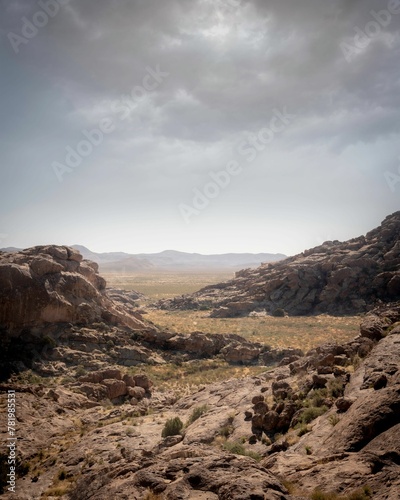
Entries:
{"x":62,"y":475}
{"x":80,"y":371}
{"x":335,"y":388}
{"x":226,"y":431}
{"x":172,"y":427}
{"x":301,"y":332}
{"x":333,"y":420}
{"x":238,"y":449}
{"x":363,"y":493}
{"x":149,"y":495}
{"x":184,"y":377}
{"x":163,"y":285}
{"x":311,"y":413}
{"x":197,"y":413}
{"x":56,"y":491}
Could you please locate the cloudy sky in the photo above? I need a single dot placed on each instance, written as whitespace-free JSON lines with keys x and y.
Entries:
{"x":200,"y":125}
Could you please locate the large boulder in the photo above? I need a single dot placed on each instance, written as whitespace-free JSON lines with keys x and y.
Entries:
{"x":52,"y":284}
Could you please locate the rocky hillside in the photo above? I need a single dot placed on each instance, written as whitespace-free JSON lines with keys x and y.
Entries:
{"x":335,"y":278}
{"x":328,"y":421}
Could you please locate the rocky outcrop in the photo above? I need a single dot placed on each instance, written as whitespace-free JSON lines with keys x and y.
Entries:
{"x":230,"y":347}
{"x":355,"y":443}
{"x":333,"y":278}
{"x":53,"y":284}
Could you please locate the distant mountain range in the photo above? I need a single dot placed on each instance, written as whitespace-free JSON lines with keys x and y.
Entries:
{"x":174,"y":260}
{"x":121,"y":262}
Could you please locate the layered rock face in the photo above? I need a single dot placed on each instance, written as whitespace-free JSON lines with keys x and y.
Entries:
{"x":334,"y":278}
{"x":53,"y":284}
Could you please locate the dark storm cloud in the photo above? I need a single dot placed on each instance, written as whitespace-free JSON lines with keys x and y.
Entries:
{"x":260,"y":55}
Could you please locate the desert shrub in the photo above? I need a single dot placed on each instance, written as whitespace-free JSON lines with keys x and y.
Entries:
{"x":151,"y":496}
{"x":172,"y":427}
{"x":303,"y":429}
{"x":336,"y":388}
{"x":317,"y":397}
{"x":197,"y":413}
{"x":226,"y":431}
{"x":80,"y":371}
{"x":289,"y":486}
{"x":238,"y":449}
{"x":58,"y":491}
{"x":333,"y":420}
{"x":308,"y":450}
{"x":363,"y":493}
{"x":62,"y":475}
{"x":311,"y":413}
{"x":278,"y":313}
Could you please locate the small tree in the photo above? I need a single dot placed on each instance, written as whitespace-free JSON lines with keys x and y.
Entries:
{"x":172,"y":427}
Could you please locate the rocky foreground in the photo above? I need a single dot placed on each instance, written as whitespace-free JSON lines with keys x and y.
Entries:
{"x":327,"y":421}
{"x":334,"y":278}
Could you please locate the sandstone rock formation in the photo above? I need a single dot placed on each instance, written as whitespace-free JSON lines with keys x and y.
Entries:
{"x":334,"y":278}
{"x":52,"y":284}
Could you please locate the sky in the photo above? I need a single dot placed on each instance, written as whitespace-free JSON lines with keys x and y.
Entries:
{"x":205,"y":126}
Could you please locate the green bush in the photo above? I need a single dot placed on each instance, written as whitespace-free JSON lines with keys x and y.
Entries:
{"x":303,"y":429}
{"x":364,"y":493}
{"x":317,"y":397}
{"x":172,"y":427}
{"x":197,"y":413}
{"x":333,"y":420}
{"x":311,"y":413}
{"x":80,"y":371}
{"x":238,"y":449}
{"x":279,"y":313}
{"x":226,"y":431}
{"x":335,"y":388}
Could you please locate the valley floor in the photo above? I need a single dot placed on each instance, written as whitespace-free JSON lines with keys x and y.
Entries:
{"x":301,"y":332}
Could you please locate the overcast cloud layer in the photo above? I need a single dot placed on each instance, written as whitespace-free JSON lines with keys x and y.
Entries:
{"x":182,"y":89}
